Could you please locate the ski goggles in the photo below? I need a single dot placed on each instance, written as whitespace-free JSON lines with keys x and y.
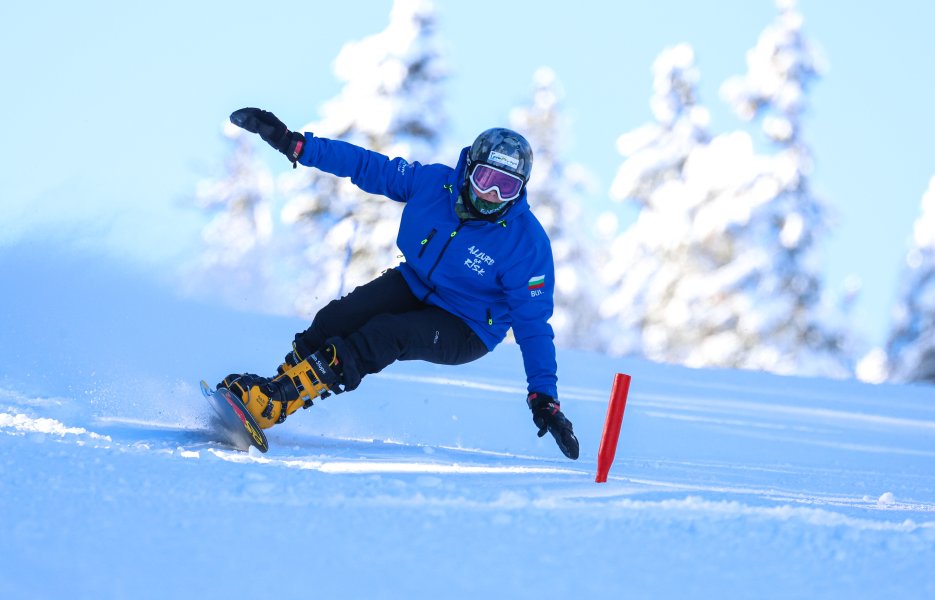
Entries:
{"x":485,"y":178}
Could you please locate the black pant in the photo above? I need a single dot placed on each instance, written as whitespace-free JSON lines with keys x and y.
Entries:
{"x":381,"y":322}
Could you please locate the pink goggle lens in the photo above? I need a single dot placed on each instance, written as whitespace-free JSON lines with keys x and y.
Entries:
{"x":486,"y":178}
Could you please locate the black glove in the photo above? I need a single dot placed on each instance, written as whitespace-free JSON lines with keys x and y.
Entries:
{"x":547,"y":415}
{"x":273,"y":131}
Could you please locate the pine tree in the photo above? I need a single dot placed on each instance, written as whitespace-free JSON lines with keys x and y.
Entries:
{"x":390,"y":103}
{"x":720,"y":268}
{"x":556,"y":192}
{"x":911,"y":345}
{"x":799,"y":329}
{"x":237,"y":255}
{"x":645,"y":258}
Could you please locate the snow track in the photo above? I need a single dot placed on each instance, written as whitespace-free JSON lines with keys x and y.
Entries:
{"x":430,"y":481}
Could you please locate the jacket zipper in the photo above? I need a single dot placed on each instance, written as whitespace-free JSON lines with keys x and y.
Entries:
{"x":426,"y":241}
{"x":428,"y":277}
{"x":489,"y":317}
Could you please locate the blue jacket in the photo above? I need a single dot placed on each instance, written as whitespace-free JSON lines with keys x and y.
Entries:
{"x":492,"y":275}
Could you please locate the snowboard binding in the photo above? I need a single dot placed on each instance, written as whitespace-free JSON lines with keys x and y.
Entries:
{"x":297,"y":384}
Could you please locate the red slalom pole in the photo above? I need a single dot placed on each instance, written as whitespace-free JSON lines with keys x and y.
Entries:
{"x":618,"y":402}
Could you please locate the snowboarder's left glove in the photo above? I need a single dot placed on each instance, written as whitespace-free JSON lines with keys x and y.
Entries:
{"x":273,"y":131}
{"x":547,"y":415}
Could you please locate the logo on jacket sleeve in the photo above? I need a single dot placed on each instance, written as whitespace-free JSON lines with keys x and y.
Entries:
{"x":536,"y":284}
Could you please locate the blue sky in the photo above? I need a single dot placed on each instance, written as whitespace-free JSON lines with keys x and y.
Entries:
{"x":112,"y":109}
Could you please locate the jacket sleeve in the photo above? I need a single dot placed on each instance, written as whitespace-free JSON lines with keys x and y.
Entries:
{"x":370,"y":171}
{"x":530,"y":286}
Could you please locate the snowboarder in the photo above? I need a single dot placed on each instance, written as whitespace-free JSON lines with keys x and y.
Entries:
{"x":477,"y":262}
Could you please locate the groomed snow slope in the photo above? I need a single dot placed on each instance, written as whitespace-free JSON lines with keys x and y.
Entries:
{"x":430,"y":481}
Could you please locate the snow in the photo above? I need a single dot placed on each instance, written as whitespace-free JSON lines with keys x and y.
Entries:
{"x":715,"y":260}
{"x":429,"y":481}
{"x":721,"y":267}
{"x":911,"y":349}
{"x":22,"y":423}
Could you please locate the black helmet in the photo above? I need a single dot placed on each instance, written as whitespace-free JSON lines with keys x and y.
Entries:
{"x":502,"y":148}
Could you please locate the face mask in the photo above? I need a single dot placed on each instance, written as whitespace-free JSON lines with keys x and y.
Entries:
{"x":484,"y":207}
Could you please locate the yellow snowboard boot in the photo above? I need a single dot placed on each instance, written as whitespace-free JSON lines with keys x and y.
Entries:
{"x":270,"y":401}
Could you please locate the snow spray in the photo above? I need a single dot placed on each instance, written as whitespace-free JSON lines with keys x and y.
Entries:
{"x":618,"y":402}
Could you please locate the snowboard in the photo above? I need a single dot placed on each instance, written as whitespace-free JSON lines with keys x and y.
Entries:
{"x":236,"y":426}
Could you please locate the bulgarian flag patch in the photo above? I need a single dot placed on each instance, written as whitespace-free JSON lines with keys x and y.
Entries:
{"x":537,"y":282}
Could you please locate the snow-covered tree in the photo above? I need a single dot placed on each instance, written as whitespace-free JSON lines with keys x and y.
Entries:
{"x":657,"y":151}
{"x":556,"y":192}
{"x":911,"y":345}
{"x":720,"y":267}
{"x":645,"y":258}
{"x":391,"y":103}
{"x":807,"y":335}
{"x":237,"y":260}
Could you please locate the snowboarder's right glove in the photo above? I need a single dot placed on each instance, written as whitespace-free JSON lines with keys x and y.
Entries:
{"x":547,"y":415}
{"x":273,"y":131}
